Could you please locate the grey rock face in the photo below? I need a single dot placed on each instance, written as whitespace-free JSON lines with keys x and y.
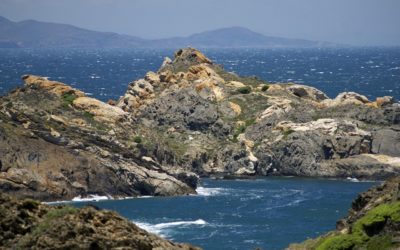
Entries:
{"x":386,"y":141}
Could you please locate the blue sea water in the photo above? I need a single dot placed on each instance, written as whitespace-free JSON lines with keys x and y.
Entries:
{"x":268,"y":213}
{"x":106,"y":73}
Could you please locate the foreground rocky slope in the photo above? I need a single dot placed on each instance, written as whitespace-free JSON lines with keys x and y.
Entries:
{"x":373,"y":222}
{"x":28,"y":224}
{"x":190,"y":118}
{"x":195,"y":115}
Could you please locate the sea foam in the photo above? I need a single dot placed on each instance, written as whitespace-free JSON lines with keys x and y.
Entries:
{"x":162,"y":228}
{"x":203,"y":191}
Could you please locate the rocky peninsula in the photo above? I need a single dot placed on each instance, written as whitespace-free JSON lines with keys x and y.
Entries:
{"x":193,"y":115}
{"x":189,"y":119}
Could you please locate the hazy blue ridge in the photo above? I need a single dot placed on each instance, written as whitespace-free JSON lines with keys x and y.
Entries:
{"x":35,"y":34}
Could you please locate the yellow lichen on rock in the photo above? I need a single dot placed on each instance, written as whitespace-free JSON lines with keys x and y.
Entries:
{"x":54,"y":87}
{"x":236,"y":108}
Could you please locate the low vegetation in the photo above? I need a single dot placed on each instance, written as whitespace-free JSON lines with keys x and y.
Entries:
{"x":367,"y":232}
{"x":244,"y":90}
{"x":48,"y":220}
{"x":68,"y":99}
{"x":264,"y":88}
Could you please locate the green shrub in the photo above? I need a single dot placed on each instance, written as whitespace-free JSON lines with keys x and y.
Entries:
{"x":60,"y":212}
{"x":88,"y":115}
{"x":265,"y":88}
{"x":338,"y":242}
{"x":138,"y":139}
{"x":48,"y":220}
{"x":287,"y":132}
{"x":250,"y":122}
{"x":380,"y":242}
{"x":9,"y":105}
{"x":68,"y":98}
{"x":359,"y":237}
{"x":244,"y":90}
{"x":239,"y":130}
{"x":376,"y":216}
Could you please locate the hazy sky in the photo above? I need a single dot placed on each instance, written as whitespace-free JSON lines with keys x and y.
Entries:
{"x":359,"y":22}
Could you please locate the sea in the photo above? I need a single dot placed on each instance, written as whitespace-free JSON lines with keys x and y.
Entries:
{"x":268,"y":213}
{"x":105,"y":74}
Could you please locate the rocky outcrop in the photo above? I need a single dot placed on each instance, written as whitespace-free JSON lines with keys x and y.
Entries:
{"x":56,"y":144}
{"x":303,"y":91}
{"x":99,"y":110}
{"x":373,"y":222}
{"x":347,"y":98}
{"x":54,"y":87}
{"x":386,"y":141}
{"x":28,"y":224}
{"x":202,"y":118}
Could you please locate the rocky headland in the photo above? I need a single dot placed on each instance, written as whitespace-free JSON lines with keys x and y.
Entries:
{"x":57,"y":144}
{"x":29,"y":224}
{"x":189,"y":119}
{"x":194,"y":115}
{"x":373,"y":222}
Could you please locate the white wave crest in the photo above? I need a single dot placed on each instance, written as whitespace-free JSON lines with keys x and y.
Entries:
{"x":352,"y":179}
{"x":202,"y":191}
{"x":90,"y":198}
{"x":161,"y":228}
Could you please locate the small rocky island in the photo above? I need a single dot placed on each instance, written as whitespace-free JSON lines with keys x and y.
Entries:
{"x":190,"y":119}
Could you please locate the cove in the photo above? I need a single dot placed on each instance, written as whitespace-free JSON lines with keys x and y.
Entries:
{"x":268,"y":213}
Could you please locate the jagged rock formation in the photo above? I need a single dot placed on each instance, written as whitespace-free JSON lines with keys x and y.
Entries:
{"x":373,"y":222}
{"x":28,"y":224}
{"x":195,"y":115}
{"x":189,"y":116}
{"x":56,"y":144}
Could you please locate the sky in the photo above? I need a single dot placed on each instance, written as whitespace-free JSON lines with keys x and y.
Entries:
{"x":355,"y":22}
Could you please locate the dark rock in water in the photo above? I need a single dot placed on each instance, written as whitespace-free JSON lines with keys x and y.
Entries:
{"x":28,"y":224}
{"x":373,"y":222}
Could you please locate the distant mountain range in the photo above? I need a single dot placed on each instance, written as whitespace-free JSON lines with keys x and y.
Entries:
{"x":35,"y":34}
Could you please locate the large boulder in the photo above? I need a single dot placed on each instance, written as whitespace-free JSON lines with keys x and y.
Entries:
{"x":386,"y":141}
{"x":347,"y":98}
{"x":303,"y":91}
